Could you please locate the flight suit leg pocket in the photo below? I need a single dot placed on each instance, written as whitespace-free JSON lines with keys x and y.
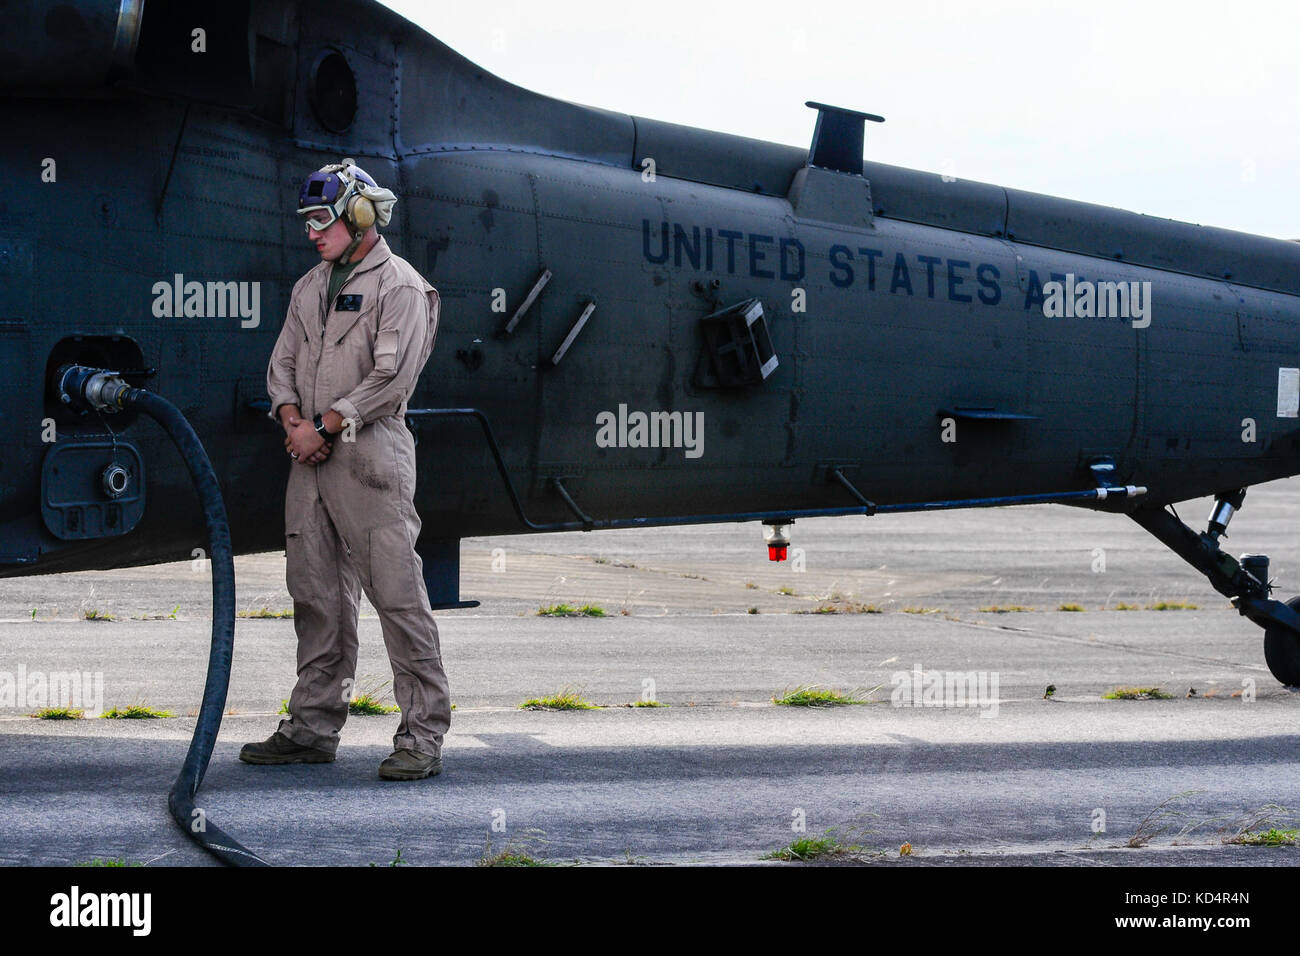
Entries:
{"x":393,"y":580}
{"x":298,"y":571}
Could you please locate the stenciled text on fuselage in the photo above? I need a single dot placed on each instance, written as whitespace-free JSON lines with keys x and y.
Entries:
{"x":785,"y":258}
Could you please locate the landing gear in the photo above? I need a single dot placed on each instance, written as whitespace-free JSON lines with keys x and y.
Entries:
{"x":1245,"y":583}
{"x":1282,"y":651}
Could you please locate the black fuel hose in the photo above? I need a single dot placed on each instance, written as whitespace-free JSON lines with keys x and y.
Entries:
{"x":190,"y":818}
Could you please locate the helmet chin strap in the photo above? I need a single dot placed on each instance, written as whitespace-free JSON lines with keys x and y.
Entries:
{"x":357,"y":236}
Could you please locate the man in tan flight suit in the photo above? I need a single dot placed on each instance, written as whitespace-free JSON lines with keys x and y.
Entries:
{"x":360,"y":327}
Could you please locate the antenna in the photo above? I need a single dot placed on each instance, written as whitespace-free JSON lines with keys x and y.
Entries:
{"x":839,"y":137}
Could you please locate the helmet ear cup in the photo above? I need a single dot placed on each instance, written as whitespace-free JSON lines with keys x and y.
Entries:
{"x":361,"y":211}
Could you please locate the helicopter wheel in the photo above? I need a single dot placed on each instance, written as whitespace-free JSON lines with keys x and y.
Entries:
{"x":1282,"y":651}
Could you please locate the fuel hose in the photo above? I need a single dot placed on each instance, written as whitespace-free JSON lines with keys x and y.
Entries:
{"x":100,"y":389}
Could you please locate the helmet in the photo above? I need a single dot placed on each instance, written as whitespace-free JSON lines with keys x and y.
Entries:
{"x":345,"y":191}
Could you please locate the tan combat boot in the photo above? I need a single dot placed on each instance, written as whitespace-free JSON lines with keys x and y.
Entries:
{"x":280,"y":749}
{"x":407,"y":764}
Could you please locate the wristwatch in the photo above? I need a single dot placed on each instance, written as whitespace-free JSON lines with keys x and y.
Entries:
{"x":321,"y":430}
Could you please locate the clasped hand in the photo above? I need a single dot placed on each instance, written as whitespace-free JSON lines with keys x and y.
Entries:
{"x":303,"y":443}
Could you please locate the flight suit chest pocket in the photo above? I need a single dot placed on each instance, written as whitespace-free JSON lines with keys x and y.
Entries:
{"x":353,"y":335}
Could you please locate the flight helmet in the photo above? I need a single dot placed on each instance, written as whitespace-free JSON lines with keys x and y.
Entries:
{"x":345,"y":191}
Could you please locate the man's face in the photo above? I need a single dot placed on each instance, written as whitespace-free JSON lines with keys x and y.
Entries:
{"x":330,"y":242}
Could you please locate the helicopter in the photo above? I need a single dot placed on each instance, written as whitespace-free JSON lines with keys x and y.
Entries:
{"x":643,"y":323}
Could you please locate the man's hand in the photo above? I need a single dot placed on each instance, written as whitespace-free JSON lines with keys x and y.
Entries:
{"x":315,"y":459}
{"x":302,"y":441}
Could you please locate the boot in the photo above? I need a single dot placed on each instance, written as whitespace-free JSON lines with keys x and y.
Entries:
{"x":410,"y":765}
{"x":280,"y":749}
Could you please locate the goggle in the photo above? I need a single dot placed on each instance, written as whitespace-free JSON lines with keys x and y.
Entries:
{"x":313,"y":221}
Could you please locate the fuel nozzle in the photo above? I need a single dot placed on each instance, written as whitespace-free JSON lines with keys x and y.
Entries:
{"x":86,"y":389}
{"x":777,"y":536}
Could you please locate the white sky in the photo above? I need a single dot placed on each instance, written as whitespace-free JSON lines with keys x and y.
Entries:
{"x":1177,"y":109}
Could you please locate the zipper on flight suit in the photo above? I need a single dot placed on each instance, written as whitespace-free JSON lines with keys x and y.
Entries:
{"x":326,"y":308}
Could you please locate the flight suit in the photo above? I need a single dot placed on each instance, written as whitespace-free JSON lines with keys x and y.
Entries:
{"x":350,"y":521}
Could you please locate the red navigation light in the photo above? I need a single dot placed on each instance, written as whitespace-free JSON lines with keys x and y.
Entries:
{"x":777,"y":536}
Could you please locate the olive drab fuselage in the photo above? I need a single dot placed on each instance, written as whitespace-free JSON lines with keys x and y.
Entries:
{"x":895,"y":302}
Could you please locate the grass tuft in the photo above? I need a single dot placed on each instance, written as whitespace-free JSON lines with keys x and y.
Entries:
{"x":94,"y":614}
{"x":368,"y":701}
{"x":845,"y":607}
{"x":830,"y":845}
{"x":366,"y":704}
{"x":1137,"y":693}
{"x":265,"y":612}
{"x":1270,"y":837}
{"x":1070,"y":607}
{"x":511,"y":858}
{"x":1269,"y":825}
{"x":922,"y":610}
{"x":568,"y":610}
{"x":1122,"y":606}
{"x":1005,"y":608}
{"x":566,"y":699}
{"x":811,"y":848}
{"x":1159,"y":820}
{"x":814,"y":695}
{"x":516,"y":852}
{"x":59,"y":713}
{"x":101,"y":862}
{"x":136,"y":712}
{"x":1173,"y":606}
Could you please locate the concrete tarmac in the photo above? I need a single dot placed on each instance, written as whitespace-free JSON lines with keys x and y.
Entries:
{"x":986,"y":770}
